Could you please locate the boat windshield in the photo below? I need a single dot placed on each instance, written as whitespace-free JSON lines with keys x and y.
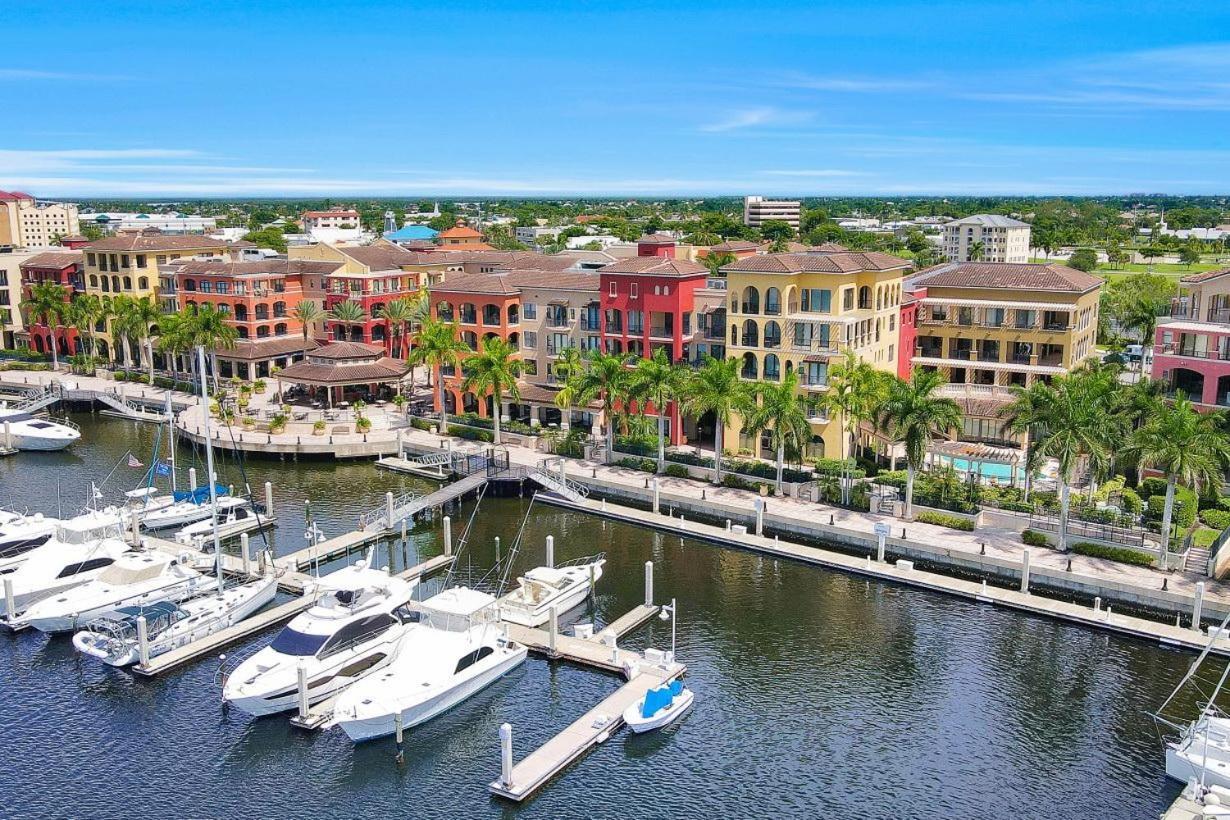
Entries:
{"x":291,"y":642}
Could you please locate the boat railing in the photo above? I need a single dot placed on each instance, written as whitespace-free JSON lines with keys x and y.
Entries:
{"x":580,"y":562}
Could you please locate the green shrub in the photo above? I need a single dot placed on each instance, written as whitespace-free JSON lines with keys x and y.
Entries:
{"x":944,"y":520}
{"x":422,"y":424}
{"x":1185,"y":505}
{"x":120,"y":376}
{"x":677,"y":470}
{"x":895,"y":478}
{"x":1033,"y":538}
{"x":1215,"y":518}
{"x":737,"y":482}
{"x":1132,"y":502}
{"x":833,"y":466}
{"x":1204,"y":537}
{"x":470,"y":433}
{"x":1151,"y":487}
{"x":1121,"y":554}
{"x":1223,"y":503}
{"x":645,"y":465}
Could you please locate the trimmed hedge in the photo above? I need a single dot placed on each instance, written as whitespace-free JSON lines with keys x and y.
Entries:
{"x":645,"y":465}
{"x":1215,"y":518}
{"x":950,"y":521}
{"x":423,"y":424}
{"x":1033,"y":538}
{"x":677,"y":471}
{"x":1185,"y":506}
{"x":1121,"y":554}
{"x":470,"y":433}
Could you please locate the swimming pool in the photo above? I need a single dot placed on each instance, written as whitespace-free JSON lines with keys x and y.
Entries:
{"x":987,"y":470}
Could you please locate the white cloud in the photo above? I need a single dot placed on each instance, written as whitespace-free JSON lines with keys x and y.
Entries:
{"x":754,"y":117}
{"x":816,"y":172}
{"x":38,"y":74}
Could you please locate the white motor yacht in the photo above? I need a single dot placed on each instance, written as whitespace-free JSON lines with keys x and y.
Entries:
{"x":20,"y":534}
{"x":188,"y":507}
{"x":350,"y":631}
{"x":54,"y":567}
{"x":544,"y":588}
{"x":33,"y":433}
{"x":454,"y":650}
{"x":112,"y":638}
{"x":235,"y":515}
{"x":133,"y":579}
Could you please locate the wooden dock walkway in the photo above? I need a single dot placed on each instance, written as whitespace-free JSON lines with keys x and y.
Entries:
{"x":587,"y":731}
{"x":330,"y":549}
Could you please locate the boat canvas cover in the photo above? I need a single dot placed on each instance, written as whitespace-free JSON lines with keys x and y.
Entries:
{"x":200,"y":495}
{"x":150,"y":611}
{"x":658,"y":699}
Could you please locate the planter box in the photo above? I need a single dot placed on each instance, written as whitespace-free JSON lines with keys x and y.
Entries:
{"x":976,"y":517}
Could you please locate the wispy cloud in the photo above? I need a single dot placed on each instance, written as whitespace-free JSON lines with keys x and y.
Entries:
{"x":816,"y":173}
{"x":754,"y":117}
{"x":39,"y":74}
{"x":864,"y":84}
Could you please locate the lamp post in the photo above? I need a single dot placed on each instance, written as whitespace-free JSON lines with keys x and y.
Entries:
{"x":671,"y":612}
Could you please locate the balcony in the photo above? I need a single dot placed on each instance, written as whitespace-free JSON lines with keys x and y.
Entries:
{"x":593,"y":326}
{"x":715,"y":283}
{"x":1190,"y":352}
{"x":557,"y":321}
{"x":661,"y":332}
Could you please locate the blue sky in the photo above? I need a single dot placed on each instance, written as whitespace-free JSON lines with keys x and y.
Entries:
{"x":643,"y":98}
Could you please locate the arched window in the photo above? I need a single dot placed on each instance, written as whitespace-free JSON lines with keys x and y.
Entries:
{"x":772,"y":336}
{"x":262,"y":331}
{"x":864,"y":298}
{"x":491,"y":315}
{"x":262,"y":312}
{"x":751,"y":333}
{"x":190,"y":285}
{"x":470,"y":338}
{"x":143,"y":282}
{"x":514,"y":340}
{"x":444,"y":311}
{"x":279,"y":310}
{"x":751,"y":300}
{"x":772,"y":368}
{"x":772,"y":302}
{"x":106,"y":285}
{"x":734,"y":334}
{"x":468,"y":313}
{"x":514,"y":314}
{"x":749,"y":366}
{"x":127,"y":283}
{"x":614,"y":346}
{"x":93,"y":281}
{"x":115,"y":284}
{"x":243,"y":332}
{"x":279,"y":329}
{"x":241,"y":312}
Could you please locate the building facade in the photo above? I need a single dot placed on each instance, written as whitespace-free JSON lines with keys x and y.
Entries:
{"x":757,"y":210}
{"x":799,"y":312}
{"x":987,"y":238}
{"x":12,"y":325}
{"x":67,"y":269}
{"x":29,"y":223}
{"x":336,"y":219}
{"x":1191,"y":352}
{"x":483,"y":306}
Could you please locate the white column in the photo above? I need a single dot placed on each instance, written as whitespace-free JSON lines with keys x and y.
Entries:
{"x":1025,"y":571}
{"x":656,"y":496}
{"x":1197,"y":605}
{"x":550,"y":550}
{"x":448,"y":535}
{"x":268,"y":498}
{"x":506,"y":755}
{"x":649,"y":583}
{"x":245,"y":554}
{"x":142,"y":640}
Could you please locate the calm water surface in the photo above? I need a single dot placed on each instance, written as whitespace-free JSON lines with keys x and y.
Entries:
{"x":818,"y":694}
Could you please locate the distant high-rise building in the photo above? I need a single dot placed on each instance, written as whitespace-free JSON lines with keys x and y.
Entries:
{"x":1000,"y":239}
{"x":757,"y":210}
{"x":26,"y":222}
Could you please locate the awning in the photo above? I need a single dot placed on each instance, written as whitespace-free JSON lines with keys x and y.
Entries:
{"x":974,"y":451}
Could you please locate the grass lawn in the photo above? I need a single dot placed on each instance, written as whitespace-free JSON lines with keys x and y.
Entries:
{"x":1168,"y":269}
{"x":1204,"y":537}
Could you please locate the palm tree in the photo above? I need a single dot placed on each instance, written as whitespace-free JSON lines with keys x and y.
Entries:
{"x":208,"y":328}
{"x":77,"y":316}
{"x":784,"y":411}
{"x":605,"y":376}
{"x":347,"y":314}
{"x":439,"y":346}
{"x":567,"y":370}
{"x":1068,"y":421}
{"x":1141,"y":314}
{"x":855,"y":391}
{"x":122,"y":326}
{"x":494,"y":369}
{"x":1187,"y":446}
{"x":398,"y":314}
{"x":47,"y":301}
{"x":144,"y":317}
{"x":662,"y":382}
{"x":174,"y":340}
{"x":977,"y":251}
{"x":90,"y":310}
{"x":716,"y":388}
{"x":307,"y":313}
{"x":913,"y":415}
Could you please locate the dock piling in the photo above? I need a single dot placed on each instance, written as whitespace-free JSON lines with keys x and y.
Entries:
{"x":881,"y":539}
{"x":553,"y":630}
{"x":1197,"y":605}
{"x":506,"y":755}
{"x":656,"y":495}
{"x":8,"y":437}
{"x":388,"y":508}
{"x":192,"y":478}
{"x":397,"y":727}
{"x":649,"y":583}
{"x":10,"y":607}
{"x":497,"y":549}
{"x":551,"y":551}
{"x":448,"y":535}
{"x":268,"y":498}
{"x":1025,"y":571}
{"x":1097,"y":604}
{"x":142,"y":640}
{"x":760,"y":516}
{"x":303,"y":693}
{"x":136,"y":530}
{"x":245,"y":553}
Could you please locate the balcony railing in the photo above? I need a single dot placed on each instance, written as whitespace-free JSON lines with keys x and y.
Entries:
{"x":1193,"y":353}
{"x":1219,"y":315}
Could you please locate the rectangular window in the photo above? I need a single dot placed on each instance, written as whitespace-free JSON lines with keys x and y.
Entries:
{"x":161,"y":259}
{"x":89,"y":258}
{"x":614,"y":291}
{"x":530,"y":367}
{"x":632,"y":290}
{"x":847,"y":299}
{"x":891,"y":350}
{"x":817,"y":300}
{"x":529,"y":310}
{"x":140,"y":260}
{"x":529,"y":340}
{"x":124,"y":260}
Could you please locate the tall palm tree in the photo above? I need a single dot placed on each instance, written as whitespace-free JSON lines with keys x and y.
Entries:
{"x":662,"y":382}
{"x":1189,"y":447}
{"x":209,"y":328}
{"x":398,"y":314}
{"x":77,"y":316}
{"x":348,"y":314}
{"x":913,"y":414}
{"x":716,"y":388}
{"x":856,"y":389}
{"x":567,"y":370}
{"x":439,"y":346}
{"x":783,"y":411}
{"x":494,"y":369}
{"x":606,"y":376}
{"x":1069,"y":422}
{"x":91,"y":310}
{"x":47,"y":302}
{"x":124,"y":326}
{"x":977,"y":251}
{"x":307,"y":313}
{"x":144,"y":317}
{"x":174,"y":340}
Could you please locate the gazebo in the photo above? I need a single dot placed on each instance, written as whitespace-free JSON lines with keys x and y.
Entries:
{"x":969,"y":457}
{"x":339,"y":365}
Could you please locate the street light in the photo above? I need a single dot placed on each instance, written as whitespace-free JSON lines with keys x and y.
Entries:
{"x":670,"y":612}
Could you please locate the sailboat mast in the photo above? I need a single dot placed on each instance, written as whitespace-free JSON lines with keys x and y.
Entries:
{"x":209,"y":466}
{"x":171,"y":439}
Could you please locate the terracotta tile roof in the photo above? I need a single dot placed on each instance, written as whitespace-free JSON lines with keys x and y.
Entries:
{"x":541,"y":394}
{"x":791,"y":247}
{"x":307,"y":372}
{"x":520,"y":260}
{"x":656,"y":239}
{"x":269,"y":348}
{"x":495,"y":284}
{"x":157,"y":242}
{"x":347,"y":350}
{"x":1204,"y":276}
{"x":560,"y":280}
{"x":460,"y":231}
{"x":275,"y":266}
{"x":54,"y":259}
{"x":380,"y":255}
{"x":9,"y":196}
{"x":655,"y":266}
{"x":1006,"y":276}
{"x":732,"y":245}
{"x":829,"y":247}
{"x":842,"y":262}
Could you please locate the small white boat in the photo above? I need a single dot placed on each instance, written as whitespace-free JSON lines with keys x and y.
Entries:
{"x":189,"y":506}
{"x":544,"y":588}
{"x":145,"y":500}
{"x":133,"y":579}
{"x":453,"y":650}
{"x":235,"y":515}
{"x":659,"y":707}
{"x":20,"y":534}
{"x":33,"y":433}
{"x":112,"y":638}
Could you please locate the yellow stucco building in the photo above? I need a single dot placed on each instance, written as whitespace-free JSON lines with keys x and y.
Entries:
{"x":802,"y":311}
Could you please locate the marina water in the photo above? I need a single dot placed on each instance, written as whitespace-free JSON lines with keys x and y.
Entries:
{"x":818,"y":694}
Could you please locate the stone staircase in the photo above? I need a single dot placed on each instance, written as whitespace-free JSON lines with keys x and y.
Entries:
{"x":1197,"y":560}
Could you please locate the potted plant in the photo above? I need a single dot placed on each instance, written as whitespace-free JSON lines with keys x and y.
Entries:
{"x":399,"y":401}
{"x":359,"y":407}
{"x":243,"y":401}
{"x":259,"y":386}
{"x":318,"y":428}
{"x":214,"y":408}
{"x":227,"y":416}
{"x":277,"y":424}
{"x":285,"y":409}
{"x":362,"y":424}
{"x":248,"y":422}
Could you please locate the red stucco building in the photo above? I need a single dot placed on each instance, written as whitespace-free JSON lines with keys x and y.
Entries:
{"x":65,"y":268}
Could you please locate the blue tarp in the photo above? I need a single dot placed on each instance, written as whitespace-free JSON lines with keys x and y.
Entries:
{"x":658,"y":699}
{"x":200,"y":495}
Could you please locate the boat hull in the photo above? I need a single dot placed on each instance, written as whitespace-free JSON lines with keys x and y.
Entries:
{"x":665,"y":717}
{"x":1185,"y":763}
{"x":62,"y":620}
{"x":360,"y":730}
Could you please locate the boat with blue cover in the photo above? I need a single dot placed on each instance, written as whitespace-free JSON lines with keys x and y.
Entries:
{"x":661,"y":706}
